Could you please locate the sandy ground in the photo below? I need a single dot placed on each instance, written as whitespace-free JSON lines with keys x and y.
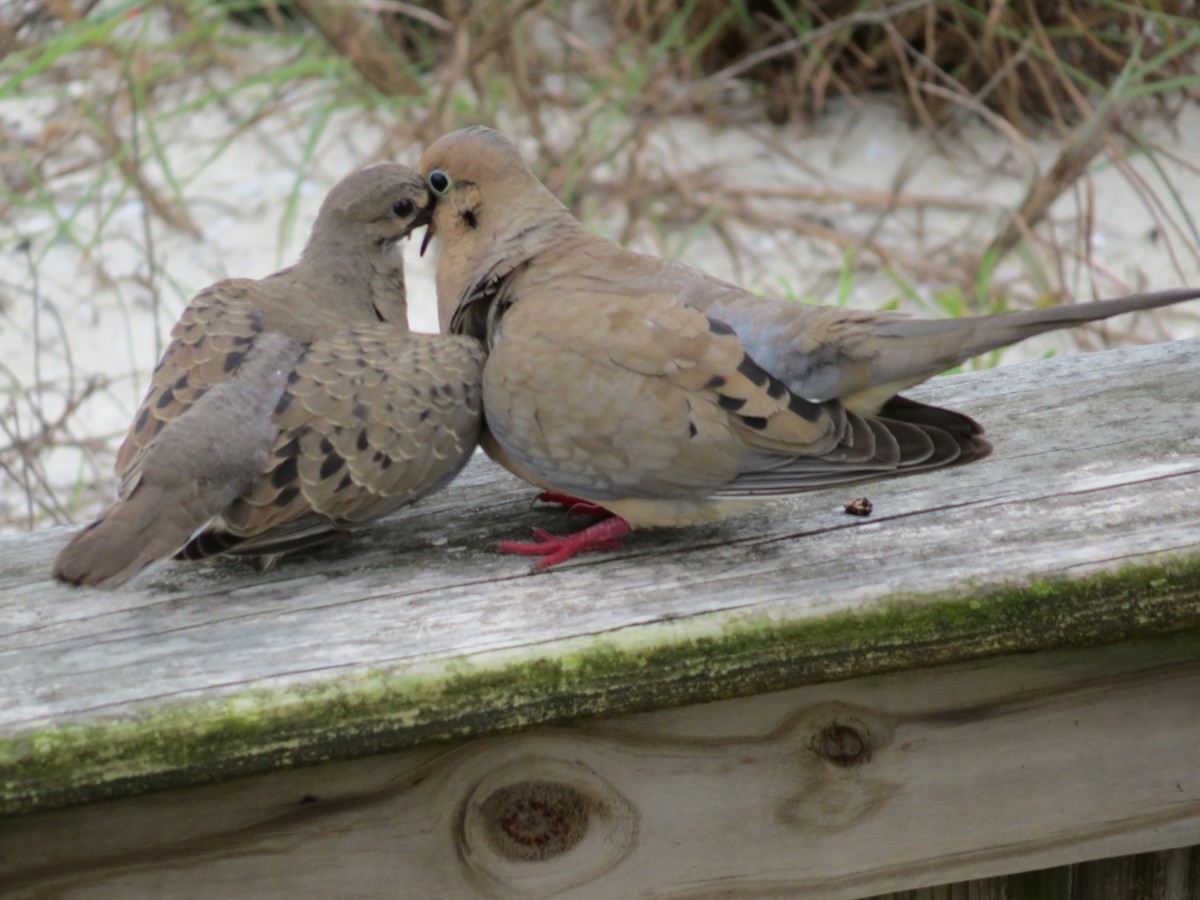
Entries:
{"x":71,"y":313}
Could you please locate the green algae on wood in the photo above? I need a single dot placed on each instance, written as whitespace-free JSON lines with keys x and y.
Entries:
{"x":345,"y":714}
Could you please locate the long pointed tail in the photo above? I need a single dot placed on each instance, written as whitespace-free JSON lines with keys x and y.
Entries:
{"x":966,"y":338}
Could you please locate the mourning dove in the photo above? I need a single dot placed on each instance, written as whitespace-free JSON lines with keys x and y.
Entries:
{"x":667,"y":397}
{"x":292,"y":408}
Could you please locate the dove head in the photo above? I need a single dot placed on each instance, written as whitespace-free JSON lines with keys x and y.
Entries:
{"x":482,"y":188}
{"x":371,"y":210}
{"x":490,"y":210}
{"x":351,"y":265}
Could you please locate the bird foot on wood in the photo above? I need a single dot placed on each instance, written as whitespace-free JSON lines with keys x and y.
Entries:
{"x":573,"y":505}
{"x":553,"y":549}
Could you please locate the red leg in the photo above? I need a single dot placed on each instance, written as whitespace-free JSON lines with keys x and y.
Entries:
{"x":573,"y":505}
{"x":604,"y":535}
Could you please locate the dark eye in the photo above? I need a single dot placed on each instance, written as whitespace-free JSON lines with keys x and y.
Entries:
{"x":403,"y":208}
{"x":439,"y":182}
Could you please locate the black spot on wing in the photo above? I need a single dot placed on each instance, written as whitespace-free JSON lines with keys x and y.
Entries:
{"x":166,"y":398}
{"x":362,"y":443}
{"x":291,"y":448}
{"x":285,"y":400}
{"x":142,"y":419}
{"x":330,"y":465}
{"x":733,"y":404}
{"x":753,"y":371}
{"x":758,"y":423}
{"x":233,"y":359}
{"x":287,"y":495}
{"x":716,"y":383}
{"x":285,"y":474}
{"x":718,"y":327}
{"x":805,"y":409}
{"x":760,"y":377}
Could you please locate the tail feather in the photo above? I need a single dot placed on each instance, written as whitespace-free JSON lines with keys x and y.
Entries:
{"x":909,"y":437}
{"x":146,"y":526}
{"x":308,"y":531}
{"x":965,"y":432}
{"x":948,"y":342}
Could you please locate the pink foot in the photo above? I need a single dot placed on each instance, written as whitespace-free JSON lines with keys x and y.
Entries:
{"x":604,"y":535}
{"x":573,"y":505}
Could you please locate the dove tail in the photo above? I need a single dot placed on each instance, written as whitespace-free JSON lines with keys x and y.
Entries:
{"x":960,"y":435}
{"x":1021,"y":325}
{"x":131,"y":534}
{"x":904,"y":438}
{"x":985,"y":333}
{"x":213,"y":541}
{"x":210,"y":542}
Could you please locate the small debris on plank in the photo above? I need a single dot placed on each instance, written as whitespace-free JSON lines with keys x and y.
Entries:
{"x":860,"y":506}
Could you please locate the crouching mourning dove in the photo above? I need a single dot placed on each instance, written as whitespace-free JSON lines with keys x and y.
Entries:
{"x":293,"y":408}
{"x":667,"y":397}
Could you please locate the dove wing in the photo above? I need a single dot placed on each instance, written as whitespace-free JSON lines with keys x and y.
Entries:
{"x":372,"y":418}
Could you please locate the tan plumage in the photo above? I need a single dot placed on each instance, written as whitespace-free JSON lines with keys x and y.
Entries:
{"x":287,"y":409}
{"x":669,"y":397}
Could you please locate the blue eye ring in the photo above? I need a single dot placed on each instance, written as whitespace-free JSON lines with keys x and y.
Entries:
{"x":439,"y":182}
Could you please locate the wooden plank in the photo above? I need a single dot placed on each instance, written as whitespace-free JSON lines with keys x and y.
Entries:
{"x":1084,"y":527}
{"x":1161,"y":875}
{"x":839,"y":790}
{"x":1166,"y":875}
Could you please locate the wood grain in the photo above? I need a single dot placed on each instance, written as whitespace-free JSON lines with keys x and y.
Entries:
{"x":1084,"y":527}
{"x":840,"y":790}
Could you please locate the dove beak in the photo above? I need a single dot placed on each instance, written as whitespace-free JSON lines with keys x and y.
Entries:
{"x":428,"y":236}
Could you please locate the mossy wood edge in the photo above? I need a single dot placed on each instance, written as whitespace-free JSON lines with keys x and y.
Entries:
{"x":711,"y":658}
{"x":1139,"y":583}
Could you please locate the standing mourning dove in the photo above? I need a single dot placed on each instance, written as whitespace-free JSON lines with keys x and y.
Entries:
{"x":292,"y":408}
{"x":667,"y":397}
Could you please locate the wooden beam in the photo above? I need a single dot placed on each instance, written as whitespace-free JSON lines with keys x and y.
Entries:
{"x":1083,"y":528}
{"x":840,"y":790}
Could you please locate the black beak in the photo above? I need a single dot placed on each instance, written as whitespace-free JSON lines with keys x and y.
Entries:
{"x":428,"y":235}
{"x":424,"y":216}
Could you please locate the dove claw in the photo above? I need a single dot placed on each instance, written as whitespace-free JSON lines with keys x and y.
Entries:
{"x":554,"y":549}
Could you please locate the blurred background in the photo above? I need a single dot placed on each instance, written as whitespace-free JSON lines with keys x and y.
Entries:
{"x":941,"y":157}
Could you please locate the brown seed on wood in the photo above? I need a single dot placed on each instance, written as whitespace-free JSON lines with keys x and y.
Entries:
{"x":859,"y":506}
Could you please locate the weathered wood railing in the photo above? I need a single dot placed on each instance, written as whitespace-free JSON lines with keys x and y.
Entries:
{"x":996,"y":672}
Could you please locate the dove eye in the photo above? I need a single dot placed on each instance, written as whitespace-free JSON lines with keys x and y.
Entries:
{"x":439,"y":182}
{"x":403,"y":208}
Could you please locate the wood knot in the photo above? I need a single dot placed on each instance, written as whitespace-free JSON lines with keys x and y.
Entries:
{"x":835,"y":785}
{"x":843,"y":745}
{"x":535,"y":820}
{"x":540,"y":823}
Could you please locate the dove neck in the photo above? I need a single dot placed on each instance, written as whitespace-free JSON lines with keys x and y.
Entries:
{"x":548,"y":234}
{"x":365,"y":281}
